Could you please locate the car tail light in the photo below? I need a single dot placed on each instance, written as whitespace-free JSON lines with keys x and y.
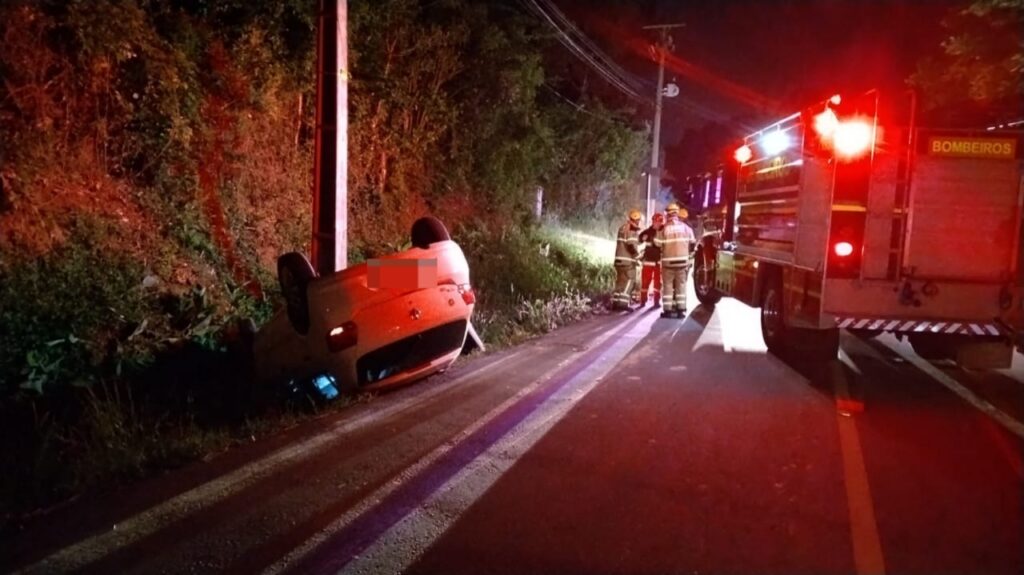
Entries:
{"x":342,"y":337}
{"x":468,"y":296}
{"x":843,"y":249}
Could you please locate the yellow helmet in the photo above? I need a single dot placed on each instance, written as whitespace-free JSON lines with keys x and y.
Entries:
{"x":673,"y":208}
{"x":634,"y":215}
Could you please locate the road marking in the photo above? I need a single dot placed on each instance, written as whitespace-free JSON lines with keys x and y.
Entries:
{"x":134,"y":528}
{"x":405,"y":542}
{"x":867,"y":548}
{"x":378,"y":496}
{"x":1007,"y":421}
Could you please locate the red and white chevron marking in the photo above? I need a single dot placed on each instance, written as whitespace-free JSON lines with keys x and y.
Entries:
{"x":919,"y":326}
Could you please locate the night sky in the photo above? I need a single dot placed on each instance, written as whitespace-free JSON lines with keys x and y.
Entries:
{"x":786,"y":53}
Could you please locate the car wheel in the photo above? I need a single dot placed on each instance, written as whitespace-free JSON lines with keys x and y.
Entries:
{"x":428,"y":230}
{"x":704,"y":280}
{"x":294,"y":273}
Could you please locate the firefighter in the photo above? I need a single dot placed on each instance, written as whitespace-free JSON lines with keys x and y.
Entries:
{"x":651,"y":272}
{"x":675,"y":240}
{"x":627,"y":252}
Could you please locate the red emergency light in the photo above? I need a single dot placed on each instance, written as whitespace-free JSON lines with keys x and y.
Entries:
{"x":852,"y":138}
{"x":825,"y":123}
{"x":743,"y":154}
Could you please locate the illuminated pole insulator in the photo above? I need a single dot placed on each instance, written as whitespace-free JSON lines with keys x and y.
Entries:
{"x":825,"y":123}
{"x":852,"y":138}
{"x":743,"y":154}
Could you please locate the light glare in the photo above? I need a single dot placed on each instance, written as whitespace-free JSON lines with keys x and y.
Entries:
{"x":743,"y":154}
{"x":774,"y":142}
{"x":852,"y":138}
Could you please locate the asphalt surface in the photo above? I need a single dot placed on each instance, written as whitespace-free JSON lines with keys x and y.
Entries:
{"x":623,"y":444}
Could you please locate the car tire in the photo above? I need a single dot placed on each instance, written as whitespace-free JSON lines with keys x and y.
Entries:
{"x":294,"y":272}
{"x":428,"y":230}
{"x":704,"y":280}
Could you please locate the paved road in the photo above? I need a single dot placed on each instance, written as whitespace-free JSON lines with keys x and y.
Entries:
{"x":624,"y":444}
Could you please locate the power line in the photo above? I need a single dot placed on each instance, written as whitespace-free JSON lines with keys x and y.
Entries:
{"x":567,"y":41}
{"x":629,"y":78}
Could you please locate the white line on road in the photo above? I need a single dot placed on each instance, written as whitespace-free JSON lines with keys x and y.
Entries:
{"x":373,"y":499}
{"x":1015,"y":427}
{"x":406,"y":541}
{"x":126,"y":532}
{"x":867,"y":547}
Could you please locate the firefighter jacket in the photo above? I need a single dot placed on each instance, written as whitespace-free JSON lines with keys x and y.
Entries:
{"x":675,"y":240}
{"x":627,"y":245}
{"x":652,"y":253}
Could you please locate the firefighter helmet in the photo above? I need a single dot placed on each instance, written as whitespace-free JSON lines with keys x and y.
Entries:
{"x":673,"y":208}
{"x":634,"y":215}
{"x":658,"y":218}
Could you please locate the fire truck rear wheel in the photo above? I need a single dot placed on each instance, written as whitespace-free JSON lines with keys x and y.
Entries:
{"x":773,"y":318}
{"x":781,"y":339}
{"x":704,"y":280}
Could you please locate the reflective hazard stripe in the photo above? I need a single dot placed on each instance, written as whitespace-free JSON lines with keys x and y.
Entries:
{"x":918,"y":326}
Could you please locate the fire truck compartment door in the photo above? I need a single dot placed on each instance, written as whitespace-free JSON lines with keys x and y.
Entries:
{"x":963,"y":219}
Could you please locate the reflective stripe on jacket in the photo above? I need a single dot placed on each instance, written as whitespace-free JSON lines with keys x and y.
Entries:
{"x":675,"y":240}
{"x":627,"y":245}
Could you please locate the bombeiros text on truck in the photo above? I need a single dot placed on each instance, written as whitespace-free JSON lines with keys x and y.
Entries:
{"x":846,"y":215}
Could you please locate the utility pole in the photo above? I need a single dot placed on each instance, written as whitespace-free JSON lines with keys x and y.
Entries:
{"x":329,"y":251}
{"x":654,"y":174}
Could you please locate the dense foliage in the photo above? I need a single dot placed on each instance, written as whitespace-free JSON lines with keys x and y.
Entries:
{"x":156,"y":158}
{"x":181,"y":131}
{"x":978,"y":78}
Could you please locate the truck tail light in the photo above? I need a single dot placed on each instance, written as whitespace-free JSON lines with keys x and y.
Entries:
{"x":342,"y":337}
{"x":846,"y":238}
{"x":843,"y":249}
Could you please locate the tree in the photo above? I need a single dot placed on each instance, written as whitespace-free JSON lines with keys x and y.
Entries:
{"x":978,"y":79}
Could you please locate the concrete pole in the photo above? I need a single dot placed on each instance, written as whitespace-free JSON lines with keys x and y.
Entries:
{"x":654,"y":174}
{"x":329,"y":251}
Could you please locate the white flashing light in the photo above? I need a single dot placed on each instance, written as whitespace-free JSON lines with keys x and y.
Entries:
{"x":774,"y":143}
{"x":743,"y":154}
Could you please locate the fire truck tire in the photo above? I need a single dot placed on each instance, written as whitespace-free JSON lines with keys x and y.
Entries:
{"x":704,"y":280}
{"x":782,"y":339}
{"x":773,"y":315}
{"x":294,"y":273}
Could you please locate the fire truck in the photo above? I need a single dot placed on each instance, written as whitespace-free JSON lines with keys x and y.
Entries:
{"x":845,"y":215}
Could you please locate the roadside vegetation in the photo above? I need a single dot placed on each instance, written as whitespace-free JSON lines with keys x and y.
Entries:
{"x":156,"y":159}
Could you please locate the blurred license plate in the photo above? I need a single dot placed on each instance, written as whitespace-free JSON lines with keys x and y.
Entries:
{"x":401,"y":274}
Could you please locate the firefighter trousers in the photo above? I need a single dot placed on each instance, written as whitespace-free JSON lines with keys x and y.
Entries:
{"x":625,"y":281}
{"x":673,"y":293}
{"x":651,"y":274}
